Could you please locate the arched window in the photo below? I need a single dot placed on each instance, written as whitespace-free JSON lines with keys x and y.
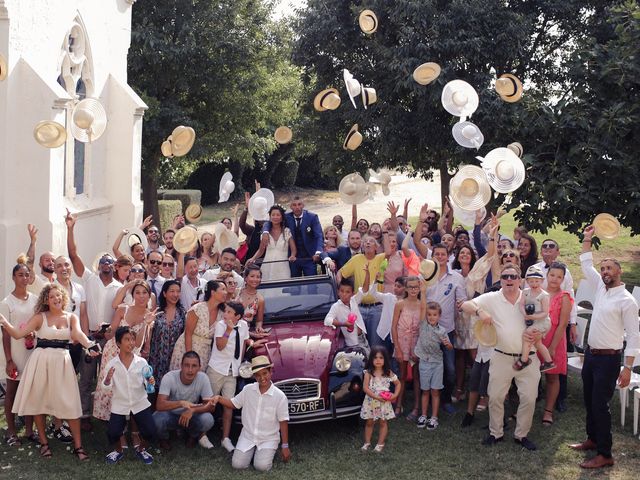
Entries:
{"x":76,"y":78}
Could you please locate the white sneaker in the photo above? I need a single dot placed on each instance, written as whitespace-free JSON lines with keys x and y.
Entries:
{"x":432,"y":424}
{"x":228,"y":446}
{"x":205,"y":442}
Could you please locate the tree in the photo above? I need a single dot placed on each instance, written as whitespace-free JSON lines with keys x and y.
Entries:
{"x":215,"y":65}
{"x":589,"y":164}
{"x":473,"y":40}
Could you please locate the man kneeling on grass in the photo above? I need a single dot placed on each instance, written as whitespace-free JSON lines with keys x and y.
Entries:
{"x":265,"y":417}
{"x":184,"y":402}
{"x":125,"y":378}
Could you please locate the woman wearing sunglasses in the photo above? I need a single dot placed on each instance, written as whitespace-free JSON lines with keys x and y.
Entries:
{"x":125,"y":293}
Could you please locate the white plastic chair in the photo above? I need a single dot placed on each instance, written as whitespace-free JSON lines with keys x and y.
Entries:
{"x":624,"y":392}
{"x":581,"y":327}
{"x":636,"y":409}
{"x":585,"y":294}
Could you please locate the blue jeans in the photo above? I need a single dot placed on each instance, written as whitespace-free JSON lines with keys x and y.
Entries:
{"x":449,"y":361}
{"x":168,"y":420}
{"x":144,"y":421}
{"x":371,"y":317}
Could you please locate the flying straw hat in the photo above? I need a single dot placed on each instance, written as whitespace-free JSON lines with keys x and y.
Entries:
{"x":193,"y":213}
{"x":353,"y":138}
{"x":504,"y":169}
{"x":88,"y":120}
{"x":464,"y":217}
{"x":328,"y":99}
{"x":381,"y":178}
{"x":226,"y":187}
{"x":353,"y":189}
{"x":426,"y":73}
{"x":260,"y":203}
{"x":133,"y":237}
{"x":352,"y":85}
{"x":225,"y":238}
{"x":368,"y":21}
{"x":182,"y":139}
{"x":486,"y":335}
{"x":467,"y":135}
{"x":165,"y":148}
{"x":509,"y":87}
{"x":516,"y":148}
{"x":606,"y":226}
{"x":469,"y":188}
{"x":429,"y":271}
{"x":50,"y":134}
{"x":185,"y":239}
{"x":459,"y":98}
{"x":369,"y":96}
{"x":283,"y":135}
{"x":4,"y":68}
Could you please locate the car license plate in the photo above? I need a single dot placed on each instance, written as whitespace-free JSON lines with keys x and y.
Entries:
{"x":297,"y":408}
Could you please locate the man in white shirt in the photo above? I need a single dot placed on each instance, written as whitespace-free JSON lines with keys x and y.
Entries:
{"x":549,"y":251}
{"x":227,"y":262}
{"x":100,"y":289}
{"x":265,"y":417}
{"x":502,"y":309}
{"x":153,"y":239}
{"x":192,"y":286}
{"x":615,"y":312}
{"x":154,"y":279}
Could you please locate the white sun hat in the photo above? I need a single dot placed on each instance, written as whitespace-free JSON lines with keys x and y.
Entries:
{"x":353,"y":86}
{"x":382,"y":178}
{"x":353,"y":189}
{"x":50,"y":134}
{"x":469,"y":188}
{"x":467,"y":135}
{"x":260,"y":203}
{"x":133,"y":237}
{"x":369,"y":96}
{"x":88,"y":120}
{"x":466,"y":218}
{"x":504,"y":169}
{"x":459,"y":98}
{"x":226,"y":187}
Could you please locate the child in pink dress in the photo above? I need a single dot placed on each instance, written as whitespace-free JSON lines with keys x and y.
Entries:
{"x":404,"y":332}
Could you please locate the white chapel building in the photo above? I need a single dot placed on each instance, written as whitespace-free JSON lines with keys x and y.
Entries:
{"x":59,"y":52}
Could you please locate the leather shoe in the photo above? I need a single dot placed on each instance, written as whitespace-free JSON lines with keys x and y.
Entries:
{"x":526,"y":443}
{"x":598,"y":461}
{"x":588,"y":444}
{"x":561,"y":406}
{"x":490,"y":440}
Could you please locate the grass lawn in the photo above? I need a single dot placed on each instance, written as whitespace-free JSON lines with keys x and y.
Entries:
{"x":330,"y":450}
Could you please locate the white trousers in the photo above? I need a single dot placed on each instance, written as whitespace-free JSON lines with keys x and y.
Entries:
{"x":262,"y":459}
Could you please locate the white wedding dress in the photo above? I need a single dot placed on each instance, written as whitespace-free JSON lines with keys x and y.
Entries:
{"x":277,"y":250}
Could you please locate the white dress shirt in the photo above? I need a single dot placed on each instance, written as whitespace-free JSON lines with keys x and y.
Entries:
{"x":508,"y":319}
{"x":127,"y":384}
{"x":614,"y":312}
{"x":159,"y":283}
{"x":449,"y":289}
{"x":189,"y":293}
{"x":212,"y":274}
{"x":388,"y":301}
{"x":261,"y":416}
{"x":567,"y":284}
{"x":224,"y":360}
{"x":341,"y":311}
{"x":99,"y":298}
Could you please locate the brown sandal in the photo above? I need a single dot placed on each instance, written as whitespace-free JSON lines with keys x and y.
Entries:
{"x":80,"y":453}
{"x":545,"y":421}
{"x":45,"y":451}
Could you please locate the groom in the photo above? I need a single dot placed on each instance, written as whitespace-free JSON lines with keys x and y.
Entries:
{"x":307,"y":233}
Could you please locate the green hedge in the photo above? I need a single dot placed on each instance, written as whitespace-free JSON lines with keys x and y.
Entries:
{"x":168,"y":209}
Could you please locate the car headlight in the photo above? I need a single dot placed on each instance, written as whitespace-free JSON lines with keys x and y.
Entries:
{"x":342,"y":362}
{"x":245,"y":370}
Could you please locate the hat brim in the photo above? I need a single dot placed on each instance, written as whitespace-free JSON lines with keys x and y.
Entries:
{"x":426,"y":73}
{"x":193,"y":213}
{"x":50,"y":141}
{"x":255,"y":212}
{"x":361,"y":193}
{"x":353,"y":139}
{"x":319,"y":98}
{"x":490,"y":163}
{"x":468,"y":108}
{"x":475,"y":142}
{"x":125,"y":245}
{"x":262,"y":366}
{"x":480,"y":198}
{"x":185,"y":239}
{"x":486,"y":335}
{"x":517,"y":89}
{"x":283,"y":135}
{"x":346,"y":75}
{"x":365,"y":19}
{"x":182,"y":140}
{"x":223,"y":181}
{"x":98,"y":126}
{"x":606,"y":226}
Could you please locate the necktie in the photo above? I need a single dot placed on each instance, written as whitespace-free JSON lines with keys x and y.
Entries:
{"x":236,"y":352}
{"x":153,"y":286}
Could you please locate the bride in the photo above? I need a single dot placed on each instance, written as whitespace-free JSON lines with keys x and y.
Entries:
{"x":276,"y":243}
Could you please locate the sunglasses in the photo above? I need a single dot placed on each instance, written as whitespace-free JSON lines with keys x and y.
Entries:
{"x":549,"y":245}
{"x":137,"y":270}
{"x":509,"y":276}
{"x":168,"y":264}
{"x":429,"y":219}
{"x":510,"y":255}
{"x":152,"y":230}
{"x":155,"y":262}
{"x":106,"y":261}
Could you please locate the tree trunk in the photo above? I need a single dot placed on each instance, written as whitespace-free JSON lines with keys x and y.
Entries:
{"x":444,"y":183}
{"x":150,"y":192}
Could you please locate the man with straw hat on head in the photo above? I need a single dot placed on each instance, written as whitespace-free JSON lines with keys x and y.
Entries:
{"x":502,"y":309}
{"x":265,"y":417}
{"x":615,"y":313}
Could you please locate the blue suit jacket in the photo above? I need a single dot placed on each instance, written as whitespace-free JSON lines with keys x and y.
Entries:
{"x":311,"y":230}
{"x":340,"y":256}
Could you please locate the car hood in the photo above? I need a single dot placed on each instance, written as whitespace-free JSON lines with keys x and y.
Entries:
{"x":300,"y":349}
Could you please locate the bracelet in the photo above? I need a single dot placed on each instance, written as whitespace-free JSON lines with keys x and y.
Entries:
{"x":225,"y":335}
{"x":492,"y":239}
{"x":285,"y":445}
{"x":627,"y":366}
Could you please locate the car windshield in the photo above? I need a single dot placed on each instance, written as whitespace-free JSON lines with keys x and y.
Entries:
{"x":296,"y":301}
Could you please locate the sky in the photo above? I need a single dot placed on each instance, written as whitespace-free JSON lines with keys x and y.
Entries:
{"x":286,"y":7}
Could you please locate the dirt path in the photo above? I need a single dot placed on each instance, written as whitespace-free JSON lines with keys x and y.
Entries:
{"x":327,"y":204}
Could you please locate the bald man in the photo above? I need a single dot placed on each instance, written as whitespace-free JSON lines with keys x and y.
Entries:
{"x":46,"y":263}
